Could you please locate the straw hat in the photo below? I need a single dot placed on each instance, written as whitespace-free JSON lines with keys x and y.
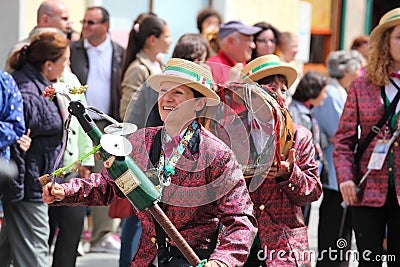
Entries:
{"x":268,"y":65}
{"x":390,"y":19}
{"x":187,"y":73}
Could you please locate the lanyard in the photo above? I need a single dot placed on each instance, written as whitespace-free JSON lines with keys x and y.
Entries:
{"x":165,"y":170}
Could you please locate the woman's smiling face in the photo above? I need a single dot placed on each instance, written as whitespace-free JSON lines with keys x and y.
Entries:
{"x":176,"y":97}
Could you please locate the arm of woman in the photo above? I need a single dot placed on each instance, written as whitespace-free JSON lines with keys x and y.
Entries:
{"x":133,"y":79}
{"x":96,"y":190}
{"x":12,"y":125}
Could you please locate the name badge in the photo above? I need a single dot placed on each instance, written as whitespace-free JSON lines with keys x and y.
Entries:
{"x":378,"y":155}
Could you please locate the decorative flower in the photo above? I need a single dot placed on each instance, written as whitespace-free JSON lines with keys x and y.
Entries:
{"x":49,"y":92}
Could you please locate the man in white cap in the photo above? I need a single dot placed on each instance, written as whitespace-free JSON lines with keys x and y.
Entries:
{"x":236,"y":45}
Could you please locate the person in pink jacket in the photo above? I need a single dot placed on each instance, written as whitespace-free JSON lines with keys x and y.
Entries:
{"x":282,"y":236}
{"x":375,"y":202}
{"x":205,"y":194}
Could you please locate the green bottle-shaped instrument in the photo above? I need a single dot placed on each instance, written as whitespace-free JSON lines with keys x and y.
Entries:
{"x":123,"y":170}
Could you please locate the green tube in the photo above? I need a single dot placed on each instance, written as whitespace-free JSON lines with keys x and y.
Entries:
{"x":342,"y":25}
{"x":368,"y":17}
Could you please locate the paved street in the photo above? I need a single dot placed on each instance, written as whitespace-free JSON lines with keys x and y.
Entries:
{"x":98,"y":260}
{"x":111,"y":260}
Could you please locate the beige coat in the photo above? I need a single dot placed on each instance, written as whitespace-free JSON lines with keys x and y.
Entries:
{"x":135,"y":76}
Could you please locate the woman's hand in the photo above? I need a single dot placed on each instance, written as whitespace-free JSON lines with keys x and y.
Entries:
{"x":25,"y":141}
{"x":349,"y":193}
{"x":286,"y":166}
{"x":52,"y":193}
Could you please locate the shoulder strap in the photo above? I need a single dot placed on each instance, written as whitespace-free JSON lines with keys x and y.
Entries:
{"x":155,"y":148}
{"x":377,"y":128}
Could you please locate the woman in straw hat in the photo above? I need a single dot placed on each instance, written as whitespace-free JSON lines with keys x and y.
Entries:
{"x":279,"y":199}
{"x":374,"y":201}
{"x":184,"y":155}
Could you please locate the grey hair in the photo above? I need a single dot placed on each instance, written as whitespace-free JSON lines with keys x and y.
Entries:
{"x":339,"y":61}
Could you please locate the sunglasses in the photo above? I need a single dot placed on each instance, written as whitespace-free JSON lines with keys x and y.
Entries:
{"x":91,"y":22}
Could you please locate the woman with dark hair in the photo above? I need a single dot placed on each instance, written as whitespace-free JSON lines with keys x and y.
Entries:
{"x":148,"y":37}
{"x":267,"y":40}
{"x":192,"y":47}
{"x":208,"y":18}
{"x":208,"y":21}
{"x":37,"y":65}
{"x":310,"y":93}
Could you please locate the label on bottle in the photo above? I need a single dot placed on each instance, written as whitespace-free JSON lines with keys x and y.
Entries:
{"x":127,"y":182}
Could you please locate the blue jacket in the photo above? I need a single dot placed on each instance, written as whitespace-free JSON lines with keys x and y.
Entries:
{"x":12,"y":125}
{"x":328,"y":117}
{"x":44,"y":119}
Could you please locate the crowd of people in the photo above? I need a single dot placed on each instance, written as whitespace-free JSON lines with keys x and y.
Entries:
{"x":238,"y":140}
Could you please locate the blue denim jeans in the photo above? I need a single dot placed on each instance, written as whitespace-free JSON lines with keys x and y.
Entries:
{"x":131,"y":231}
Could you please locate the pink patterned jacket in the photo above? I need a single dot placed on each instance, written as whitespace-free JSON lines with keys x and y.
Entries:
{"x":196,"y":214}
{"x":277,"y":205}
{"x":364,"y":107}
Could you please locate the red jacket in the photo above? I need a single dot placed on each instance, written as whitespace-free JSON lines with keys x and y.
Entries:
{"x":220,"y":66}
{"x":364,"y":107}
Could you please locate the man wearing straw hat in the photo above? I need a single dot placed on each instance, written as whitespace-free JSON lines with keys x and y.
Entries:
{"x":184,"y":155}
{"x":374,"y":201}
{"x":279,"y":198}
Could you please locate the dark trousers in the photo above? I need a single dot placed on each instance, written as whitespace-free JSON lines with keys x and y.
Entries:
{"x":370,"y":225}
{"x":306,"y":209}
{"x":253,"y":259}
{"x":329,"y":239}
{"x":131,"y":231}
{"x":69,"y":219}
